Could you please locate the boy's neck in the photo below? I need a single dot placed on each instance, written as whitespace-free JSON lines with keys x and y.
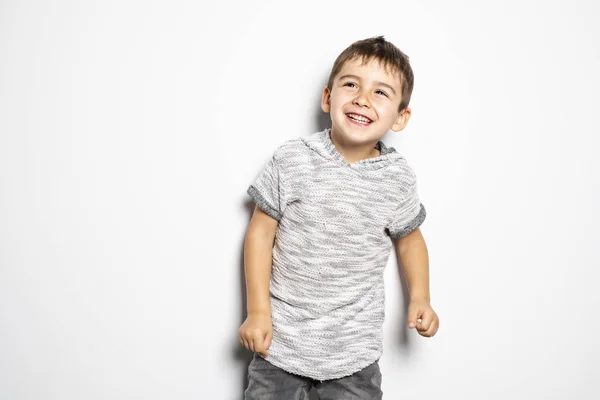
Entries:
{"x":351,"y":154}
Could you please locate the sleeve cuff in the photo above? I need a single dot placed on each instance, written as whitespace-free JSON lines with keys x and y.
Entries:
{"x":414,"y":224}
{"x":264,"y":205}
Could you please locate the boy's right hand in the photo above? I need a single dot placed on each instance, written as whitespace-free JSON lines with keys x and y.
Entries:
{"x":256,"y":333}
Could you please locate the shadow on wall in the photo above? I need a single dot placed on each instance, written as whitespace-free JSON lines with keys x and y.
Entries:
{"x":402,"y":331}
{"x":242,"y":355}
{"x":321,"y":119}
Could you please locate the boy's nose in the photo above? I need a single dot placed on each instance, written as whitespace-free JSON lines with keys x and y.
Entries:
{"x":362,"y":99}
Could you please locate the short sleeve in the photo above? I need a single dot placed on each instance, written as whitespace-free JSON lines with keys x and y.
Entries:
{"x":410,"y":213}
{"x":267,"y":190}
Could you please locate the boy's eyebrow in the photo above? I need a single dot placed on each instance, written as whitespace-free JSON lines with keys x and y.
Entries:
{"x":376,"y":82}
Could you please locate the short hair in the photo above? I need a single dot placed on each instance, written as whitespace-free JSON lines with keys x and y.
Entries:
{"x":377,"y":48}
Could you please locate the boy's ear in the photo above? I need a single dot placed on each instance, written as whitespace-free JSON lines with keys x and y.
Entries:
{"x":402,"y":120}
{"x":325,"y":105}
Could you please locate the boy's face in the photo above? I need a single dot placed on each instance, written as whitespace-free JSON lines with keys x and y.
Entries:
{"x":363,"y":103}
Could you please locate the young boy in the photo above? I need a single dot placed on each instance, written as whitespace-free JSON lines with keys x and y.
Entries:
{"x":329,"y":208}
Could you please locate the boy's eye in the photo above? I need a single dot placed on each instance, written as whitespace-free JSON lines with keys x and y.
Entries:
{"x":350,"y":84}
{"x":381,"y":92}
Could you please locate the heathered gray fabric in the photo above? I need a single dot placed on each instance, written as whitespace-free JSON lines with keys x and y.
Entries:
{"x":331,"y":246}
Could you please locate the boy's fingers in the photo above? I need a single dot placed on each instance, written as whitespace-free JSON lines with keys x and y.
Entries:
{"x":250,"y":344}
{"x":431,"y":328}
{"x":259,"y":346}
{"x":413,"y":316}
{"x":425,"y":322}
{"x":263,"y":353}
{"x":431,"y":331}
{"x":263,"y":347}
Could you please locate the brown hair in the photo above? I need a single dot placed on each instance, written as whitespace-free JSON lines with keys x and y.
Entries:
{"x":377,"y":48}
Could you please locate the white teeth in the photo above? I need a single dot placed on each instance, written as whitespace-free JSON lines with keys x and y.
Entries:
{"x":359,"y":118}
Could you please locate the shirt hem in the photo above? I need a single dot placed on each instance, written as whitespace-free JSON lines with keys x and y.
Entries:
{"x":321,"y":377}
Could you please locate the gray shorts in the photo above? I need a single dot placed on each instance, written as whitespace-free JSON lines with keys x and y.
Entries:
{"x":268,"y":382}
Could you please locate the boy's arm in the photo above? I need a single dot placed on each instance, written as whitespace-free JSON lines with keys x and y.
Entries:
{"x":258,"y":257}
{"x":414,"y":260}
{"x":255,"y":333}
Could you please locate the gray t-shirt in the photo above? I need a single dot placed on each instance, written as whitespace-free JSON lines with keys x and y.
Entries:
{"x":331,"y":246}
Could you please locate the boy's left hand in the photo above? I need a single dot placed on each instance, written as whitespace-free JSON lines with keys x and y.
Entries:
{"x":422,"y":317}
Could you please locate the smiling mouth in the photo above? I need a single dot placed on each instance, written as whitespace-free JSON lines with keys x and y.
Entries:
{"x":360,"y":119}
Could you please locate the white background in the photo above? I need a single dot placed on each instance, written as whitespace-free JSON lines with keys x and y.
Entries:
{"x":130,"y":131}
